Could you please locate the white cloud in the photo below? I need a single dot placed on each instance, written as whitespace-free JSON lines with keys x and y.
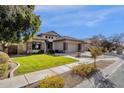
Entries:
{"x":102,"y":15}
{"x":81,"y":17}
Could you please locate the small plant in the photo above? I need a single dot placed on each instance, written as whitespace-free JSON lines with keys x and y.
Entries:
{"x":52,"y":82}
{"x":51,"y":52}
{"x":83,"y":69}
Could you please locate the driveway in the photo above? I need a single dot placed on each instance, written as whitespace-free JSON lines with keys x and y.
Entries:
{"x":118,"y":77}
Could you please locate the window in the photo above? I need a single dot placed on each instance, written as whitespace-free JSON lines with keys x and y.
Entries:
{"x":36,"y":46}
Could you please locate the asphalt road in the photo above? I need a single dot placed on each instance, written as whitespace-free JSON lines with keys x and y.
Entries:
{"x":118,"y":77}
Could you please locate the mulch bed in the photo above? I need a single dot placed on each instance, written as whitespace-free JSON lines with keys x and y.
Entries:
{"x":71,"y":79}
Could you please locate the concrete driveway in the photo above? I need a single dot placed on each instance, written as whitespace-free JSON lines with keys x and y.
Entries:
{"x":118,"y":77}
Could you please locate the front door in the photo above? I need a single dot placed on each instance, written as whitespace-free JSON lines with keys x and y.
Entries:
{"x":50,"y":46}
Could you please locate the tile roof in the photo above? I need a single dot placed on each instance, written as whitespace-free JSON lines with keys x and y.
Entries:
{"x":67,"y":38}
{"x":49,"y":33}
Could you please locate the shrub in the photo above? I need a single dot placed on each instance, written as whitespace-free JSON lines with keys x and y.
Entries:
{"x":3,"y":69}
{"x":3,"y":57}
{"x":41,"y":52}
{"x":52,"y":82}
{"x":58,"y":51}
{"x":83,"y":69}
{"x":51,"y":52}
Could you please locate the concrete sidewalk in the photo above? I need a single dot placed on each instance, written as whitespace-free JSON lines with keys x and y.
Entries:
{"x":29,"y":78}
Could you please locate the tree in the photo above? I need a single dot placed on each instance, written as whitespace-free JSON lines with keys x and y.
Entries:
{"x":117,"y":40}
{"x":95,"y":52}
{"x":97,"y":40}
{"x":17,"y":24}
{"x":113,"y":42}
{"x":107,"y":46}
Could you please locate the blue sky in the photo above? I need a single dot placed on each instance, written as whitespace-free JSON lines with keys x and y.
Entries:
{"x":81,"y":21}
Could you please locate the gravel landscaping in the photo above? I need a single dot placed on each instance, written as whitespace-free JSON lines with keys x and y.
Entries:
{"x":71,"y":80}
{"x":101,"y":64}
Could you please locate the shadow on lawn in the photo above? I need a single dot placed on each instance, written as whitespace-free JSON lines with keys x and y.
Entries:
{"x":98,"y":81}
{"x":26,"y":55}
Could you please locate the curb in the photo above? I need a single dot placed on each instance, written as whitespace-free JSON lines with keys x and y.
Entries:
{"x":12,"y":72}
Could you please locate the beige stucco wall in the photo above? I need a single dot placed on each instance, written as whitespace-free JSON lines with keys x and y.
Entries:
{"x":22,"y":48}
{"x":85,"y":47}
{"x":43,"y":45}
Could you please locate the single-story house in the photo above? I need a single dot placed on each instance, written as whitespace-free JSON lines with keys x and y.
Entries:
{"x":49,"y":41}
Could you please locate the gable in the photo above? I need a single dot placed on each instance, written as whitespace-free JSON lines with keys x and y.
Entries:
{"x":50,"y":33}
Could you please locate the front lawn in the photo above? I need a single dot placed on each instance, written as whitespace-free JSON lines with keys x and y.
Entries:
{"x":38,"y":62}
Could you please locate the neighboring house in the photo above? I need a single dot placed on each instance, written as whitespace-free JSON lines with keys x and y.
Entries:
{"x":49,"y":41}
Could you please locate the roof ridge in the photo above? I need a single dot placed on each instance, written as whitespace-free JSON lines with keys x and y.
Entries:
{"x":52,"y":31}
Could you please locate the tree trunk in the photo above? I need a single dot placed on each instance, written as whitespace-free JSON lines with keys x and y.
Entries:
{"x":4,"y":48}
{"x":94,"y":62}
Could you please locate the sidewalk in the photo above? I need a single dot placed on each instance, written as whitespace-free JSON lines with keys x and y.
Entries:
{"x":29,"y":78}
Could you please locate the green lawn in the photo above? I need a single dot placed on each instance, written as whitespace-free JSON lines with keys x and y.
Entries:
{"x":38,"y":62}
